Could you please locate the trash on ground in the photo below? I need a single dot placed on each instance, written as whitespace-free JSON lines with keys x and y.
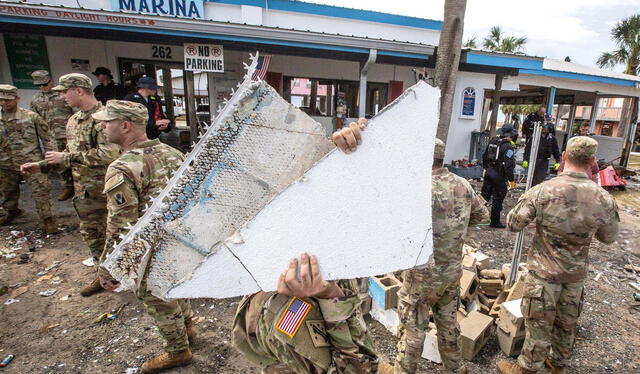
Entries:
{"x":88,"y":262}
{"x":11,"y":301}
{"x":48,"y":293}
{"x":7,"y":360}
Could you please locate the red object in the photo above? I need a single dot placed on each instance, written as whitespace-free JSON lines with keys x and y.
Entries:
{"x":275,"y":81}
{"x":261,"y":67}
{"x":609,"y":178}
{"x":395,"y":89}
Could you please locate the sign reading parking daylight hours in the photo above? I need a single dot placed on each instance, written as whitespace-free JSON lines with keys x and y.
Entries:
{"x":203,"y":57}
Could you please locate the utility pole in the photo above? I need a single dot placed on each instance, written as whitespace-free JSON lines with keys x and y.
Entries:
{"x":448,"y":59}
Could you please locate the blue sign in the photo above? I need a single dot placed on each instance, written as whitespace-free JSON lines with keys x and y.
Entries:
{"x":469,"y":102}
{"x":173,"y":8}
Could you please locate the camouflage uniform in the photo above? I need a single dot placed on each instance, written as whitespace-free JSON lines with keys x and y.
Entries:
{"x":20,"y":135}
{"x":55,"y":112}
{"x":568,"y":211}
{"x":455,"y":206}
{"x":131,"y":181}
{"x":87,"y":154}
{"x":331,"y":339}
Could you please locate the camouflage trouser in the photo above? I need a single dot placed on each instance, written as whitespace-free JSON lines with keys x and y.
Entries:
{"x":551,"y":312}
{"x":417,"y":294}
{"x":92,"y":212}
{"x":66,"y":174}
{"x":10,"y":192}
{"x":169,"y":316}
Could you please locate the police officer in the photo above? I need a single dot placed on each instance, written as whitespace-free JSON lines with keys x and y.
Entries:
{"x":146,"y":95}
{"x":21,"y":132}
{"x":499,"y":163}
{"x":558,"y":259}
{"x":107,"y":89}
{"x":50,"y":105}
{"x":138,"y":174}
{"x":332,"y":338}
{"x":547,"y":147}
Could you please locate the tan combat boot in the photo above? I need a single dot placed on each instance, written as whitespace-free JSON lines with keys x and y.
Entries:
{"x":384,"y":367}
{"x":66,"y":194}
{"x":167,"y":360}
{"x":50,"y":226}
{"x":191,"y":330}
{"x":92,"y":288}
{"x":13,"y":214}
{"x":507,"y":367}
{"x":552,"y":368}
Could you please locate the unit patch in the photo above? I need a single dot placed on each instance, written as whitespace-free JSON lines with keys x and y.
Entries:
{"x":318,"y":334}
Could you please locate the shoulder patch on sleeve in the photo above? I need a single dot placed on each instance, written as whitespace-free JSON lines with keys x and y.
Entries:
{"x":113,"y":181}
{"x":509,"y":153}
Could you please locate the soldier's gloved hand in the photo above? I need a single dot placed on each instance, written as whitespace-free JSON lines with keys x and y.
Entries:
{"x":556,"y":166}
{"x":525,"y":164}
{"x":512,"y":185}
{"x":348,"y":138}
{"x":310,"y":283}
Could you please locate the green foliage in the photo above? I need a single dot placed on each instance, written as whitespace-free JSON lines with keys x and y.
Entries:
{"x":470,"y":43}
{"x":626,"y":34}
{"x":497,"y":41}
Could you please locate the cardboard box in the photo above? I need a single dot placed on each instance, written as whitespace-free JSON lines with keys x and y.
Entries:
{"x":475,"y":331}
{"x":384,"y":291}
{"x":510,"y":345}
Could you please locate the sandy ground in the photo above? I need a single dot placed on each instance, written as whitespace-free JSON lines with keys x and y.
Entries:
{"x":58,"y":333}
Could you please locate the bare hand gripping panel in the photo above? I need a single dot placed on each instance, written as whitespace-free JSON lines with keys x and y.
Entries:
{"x":242,"y":204}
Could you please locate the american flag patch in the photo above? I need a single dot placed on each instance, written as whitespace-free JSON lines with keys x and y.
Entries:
{"x":293,"y":316}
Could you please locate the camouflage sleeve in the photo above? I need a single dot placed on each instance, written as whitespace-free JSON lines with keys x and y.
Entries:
{"x":525,"y":210}
{"x":608,"y":232}
{"x":102,"y":154}
{"x":353,"y":350}
{"x":479,"y":211}
{"x":45,"y":134}
{"x":34,"y":108}
{"x":122,"y":207}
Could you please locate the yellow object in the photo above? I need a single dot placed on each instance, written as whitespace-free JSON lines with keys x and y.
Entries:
{"x":556,"y":166}
{"x":512,"y":185}
{"x":525,"y":164}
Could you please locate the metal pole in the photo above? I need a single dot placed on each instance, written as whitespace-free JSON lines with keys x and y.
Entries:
{"x":517,"y":248}
{"x":362,"y":105}
{"x":213,"y":96}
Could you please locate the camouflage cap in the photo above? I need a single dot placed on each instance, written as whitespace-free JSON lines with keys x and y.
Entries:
{"x":40,"y":77}
{"x":124,"y":110}
{"x":8,"y":92}
{"x":438,"y":150}
{"x":581,"y":148}
{"x":73,"y":80}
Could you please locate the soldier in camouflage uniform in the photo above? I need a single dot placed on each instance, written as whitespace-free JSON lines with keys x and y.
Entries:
{"x":21,"y":132}
{"x":87,"y":154}
{"x":455,"y":206}
{"x":330,"y":337}
{"x":131,"y":181}
{"x":50,"y":105}
{"x":568,"y":211}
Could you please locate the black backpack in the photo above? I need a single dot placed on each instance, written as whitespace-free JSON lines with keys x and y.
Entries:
{"x":492,"y":155}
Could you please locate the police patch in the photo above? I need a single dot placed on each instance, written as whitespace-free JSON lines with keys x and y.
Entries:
{"x":120,"y":199}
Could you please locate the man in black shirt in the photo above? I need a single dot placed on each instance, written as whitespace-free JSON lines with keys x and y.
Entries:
{"x":531,"y":120}
{"x":145,"y":94}
{"x":107,"y":89}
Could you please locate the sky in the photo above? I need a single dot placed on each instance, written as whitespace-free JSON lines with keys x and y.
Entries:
{"x":554,"y":28}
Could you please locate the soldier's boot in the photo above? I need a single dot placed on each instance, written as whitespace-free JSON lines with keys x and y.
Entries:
{"x":50,"y":226}
{"x":167,"y":360}
{"x":13,"y":214}
{"x":385,"y":368}
{"x":192,"y":333}
{"x":66,"y":194}
{"x":507,"y":367}
{"x":552,"y":368}
{"x":92,"y":288}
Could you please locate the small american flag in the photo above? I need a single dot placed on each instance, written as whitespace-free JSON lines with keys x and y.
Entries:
{"x":293,"y":316}
{"x":261,"y":67}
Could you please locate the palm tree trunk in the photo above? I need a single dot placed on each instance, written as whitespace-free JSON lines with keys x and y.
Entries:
{"x":448,"y":58}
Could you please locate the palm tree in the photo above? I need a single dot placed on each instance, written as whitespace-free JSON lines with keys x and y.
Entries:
{"x":498,"y":42}
{"x":626,"y":34}
{"x":470,"y":43}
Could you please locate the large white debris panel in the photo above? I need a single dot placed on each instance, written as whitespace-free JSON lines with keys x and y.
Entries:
{"x":242,"y":204}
